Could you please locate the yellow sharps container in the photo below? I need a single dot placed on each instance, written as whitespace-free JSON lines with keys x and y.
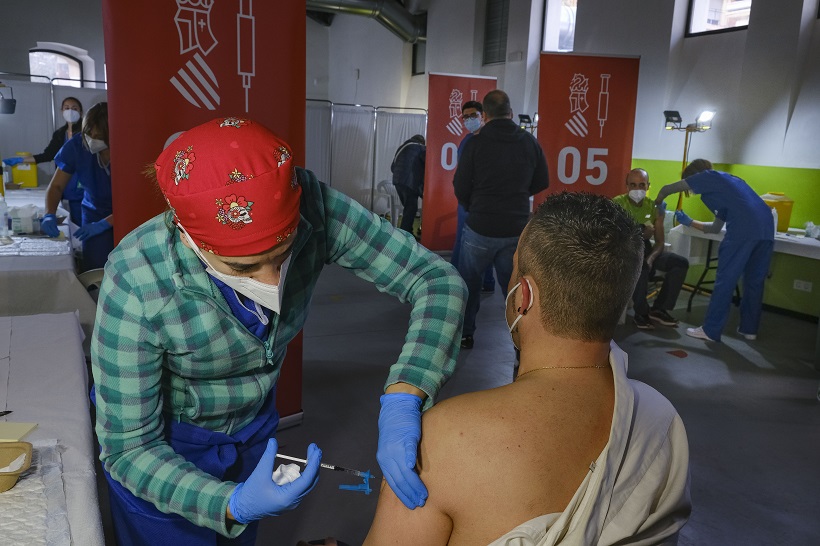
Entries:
{"x":24,"y":174}
{"x":783,"y":205}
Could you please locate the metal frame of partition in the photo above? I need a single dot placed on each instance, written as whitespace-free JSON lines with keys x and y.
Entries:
{"x":375,"y":113}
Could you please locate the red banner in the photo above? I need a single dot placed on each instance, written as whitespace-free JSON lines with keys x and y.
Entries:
{"x":446,"y":94}
{"x":172,"y":65}
{"x":586,"y":108}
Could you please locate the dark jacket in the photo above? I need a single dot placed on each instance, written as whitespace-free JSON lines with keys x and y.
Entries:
{"x":500,"y":168}
{"x":57,"y":141}
{"x":408,"y":166}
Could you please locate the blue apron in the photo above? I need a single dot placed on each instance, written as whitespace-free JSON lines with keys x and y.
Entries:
{"x":226,"y":457}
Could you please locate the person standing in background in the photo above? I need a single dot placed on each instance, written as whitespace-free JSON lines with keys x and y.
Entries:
{"x":408,"y":178}
{"x":500,"y":169}
{"x":746,"y":249}
{"x":71,"y":111}
{"x":472,"y":114}
{"x":87,"y":156}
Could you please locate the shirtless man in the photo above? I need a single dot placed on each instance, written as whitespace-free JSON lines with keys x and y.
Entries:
{"x":571,"y":452}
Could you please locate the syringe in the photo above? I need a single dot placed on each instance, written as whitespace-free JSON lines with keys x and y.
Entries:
{"x":328,"y":466}
{"x":246,"y":45}
{"x":603,"y":102}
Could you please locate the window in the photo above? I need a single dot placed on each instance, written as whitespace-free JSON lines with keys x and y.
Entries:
{"x":559,"y":25}
{"x":44,"y":62}
{"x":710,"y":16}
{"x":419,"y":58}
{"x":495,"y":31}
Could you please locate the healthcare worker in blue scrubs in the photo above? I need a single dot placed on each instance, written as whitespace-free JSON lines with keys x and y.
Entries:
{"x":87,"y":156}
{"x":746,"y":249}
{"x":71,"y":110}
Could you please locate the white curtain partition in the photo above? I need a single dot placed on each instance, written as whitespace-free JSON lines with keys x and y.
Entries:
{"x":318,"y":116}
{"x":355,"y":146}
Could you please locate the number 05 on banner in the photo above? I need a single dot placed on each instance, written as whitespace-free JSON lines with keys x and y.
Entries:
{"x":571,"y":167}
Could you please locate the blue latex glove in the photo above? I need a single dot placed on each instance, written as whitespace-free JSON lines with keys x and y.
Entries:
{"x":662,"y":208}
{"x":683,"y":218}
{"x":92,"y":230}
{"x":10,"y":161}
{"x":259,"y":496}
{"x":48,"y":225}
{"x":399,"y":435}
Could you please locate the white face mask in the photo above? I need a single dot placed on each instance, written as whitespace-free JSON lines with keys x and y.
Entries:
{"x":266,"y":295}
{"x":95,"y":145}
{"x":520,"y":313}
{"x":71,"y":116}
{"x":637,"y":195}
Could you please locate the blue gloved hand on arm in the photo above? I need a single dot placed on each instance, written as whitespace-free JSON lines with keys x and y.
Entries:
{"x":259,"y":496}
{"x":92,"y":230}
{"x":661,"y":207}
{"x":399,"y":436}
{"x":48,"y":225}
{"x":11,"y":161}
{"x":683,"y":218}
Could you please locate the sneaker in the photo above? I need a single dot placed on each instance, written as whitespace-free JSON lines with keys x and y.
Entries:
{"x":698,"y":333}
{"x":467,"y":342}
{"x":489,"y":289}
{"x":661,"y":316}
{"x":643,"y":322}
{"x":748,"y":337}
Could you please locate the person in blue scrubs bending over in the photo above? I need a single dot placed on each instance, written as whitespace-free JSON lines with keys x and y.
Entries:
{"x":746,"y":248}
{"x":86,"y":156}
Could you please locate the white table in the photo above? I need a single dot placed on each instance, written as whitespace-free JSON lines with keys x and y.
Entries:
{"x":44,"y":379}
{"x":693,"y":243}
{"x":37,"y":276}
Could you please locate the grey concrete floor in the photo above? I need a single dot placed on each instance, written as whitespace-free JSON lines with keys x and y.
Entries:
{"x":750,"y":411}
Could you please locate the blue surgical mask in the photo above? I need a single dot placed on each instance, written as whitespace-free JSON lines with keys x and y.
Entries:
{"x":472,"y":124}
{"x":71,"y":116}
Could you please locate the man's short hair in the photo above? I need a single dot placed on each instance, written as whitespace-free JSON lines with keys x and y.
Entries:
{"x":497,"y":104}
{"x":585,"y":253}
{"x":472,"y":104}
{"x":697,"y":166}
{"x":637,"y":169}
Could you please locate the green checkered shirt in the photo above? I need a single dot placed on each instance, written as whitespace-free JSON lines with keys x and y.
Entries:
{"x":166,"y":345}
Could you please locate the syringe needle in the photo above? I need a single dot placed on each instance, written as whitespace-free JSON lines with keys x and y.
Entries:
{"x":328,"y":466}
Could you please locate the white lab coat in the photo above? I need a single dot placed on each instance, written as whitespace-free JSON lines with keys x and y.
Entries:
{"x":638,"y":491}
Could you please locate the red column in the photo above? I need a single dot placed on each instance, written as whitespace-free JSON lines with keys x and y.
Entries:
{"x":173,"y":65}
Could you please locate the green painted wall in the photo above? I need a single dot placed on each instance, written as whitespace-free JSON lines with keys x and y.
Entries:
{"x":801,"y":185}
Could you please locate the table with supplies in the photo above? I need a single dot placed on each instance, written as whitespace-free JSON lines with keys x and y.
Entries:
{"x":44,"y":380}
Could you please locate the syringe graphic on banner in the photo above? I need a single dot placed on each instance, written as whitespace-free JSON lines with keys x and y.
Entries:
{"x":246,"y":45}
{"x":603,"y":102}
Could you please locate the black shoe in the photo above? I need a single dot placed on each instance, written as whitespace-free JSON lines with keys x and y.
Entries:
{"x":643,"y":322}
{"x":488,"y":289}
{"x":467,"y":342}
{"x":661,"y":316}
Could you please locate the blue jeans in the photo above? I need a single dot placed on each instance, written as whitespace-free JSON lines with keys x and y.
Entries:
{"x":478,"y":253}
{"x":489,"y":280}
{"x":735,"y":258}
